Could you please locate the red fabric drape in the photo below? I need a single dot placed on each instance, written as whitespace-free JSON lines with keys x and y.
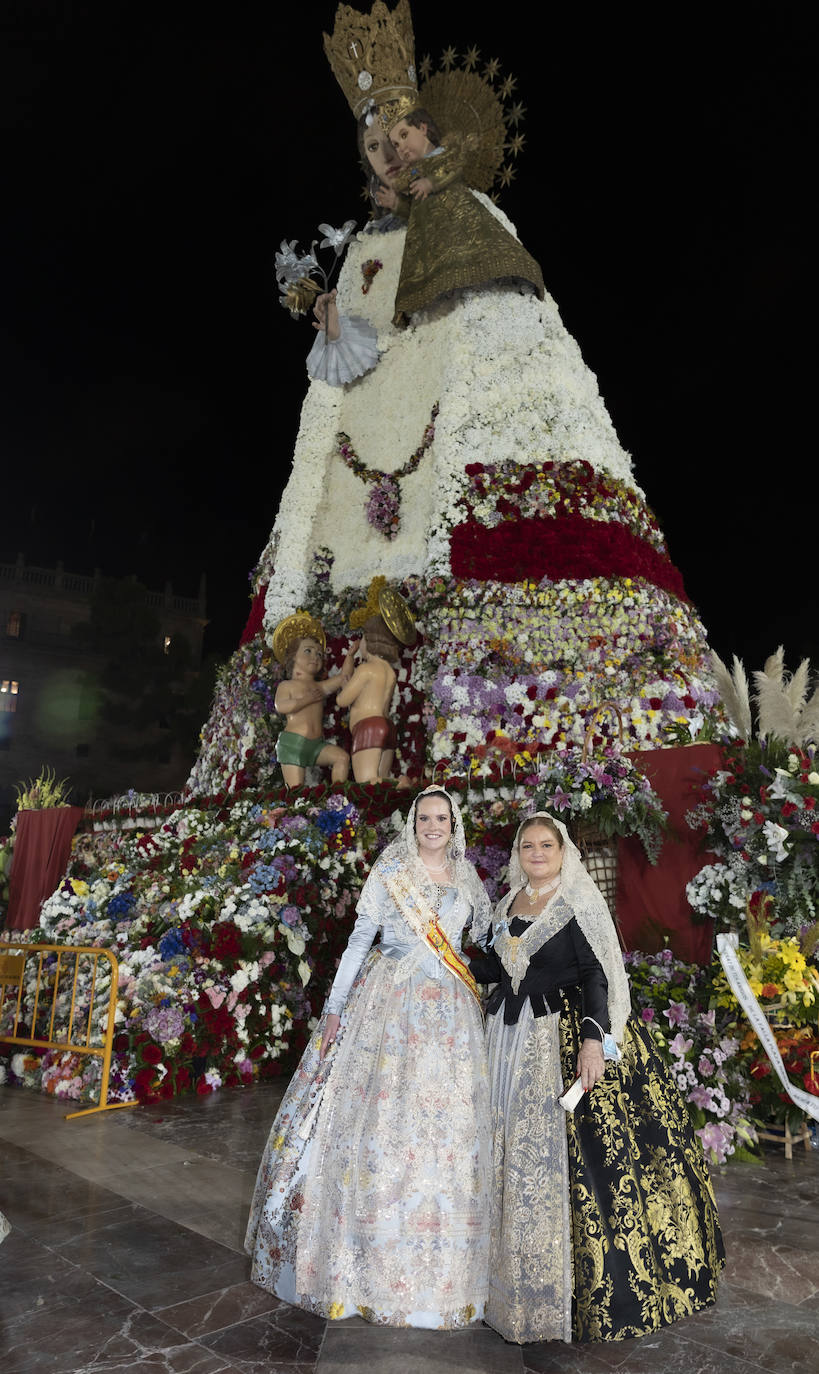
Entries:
{"x":255,"y":619}
{"x":42,"y":844}
{"x":651,"y":903}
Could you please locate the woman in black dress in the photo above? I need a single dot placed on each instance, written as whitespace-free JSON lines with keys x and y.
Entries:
{"x":604,"y":1223}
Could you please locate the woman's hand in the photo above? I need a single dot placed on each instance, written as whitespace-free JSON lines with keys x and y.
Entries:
{"x":387,"y":197}
{"x":421,"y":189}
{"x":590,"y":1063}
{"x":326,"y":315}
{"x":331,"y":1025}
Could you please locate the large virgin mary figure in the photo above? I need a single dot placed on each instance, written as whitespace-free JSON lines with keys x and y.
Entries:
{"x":539,"y":576}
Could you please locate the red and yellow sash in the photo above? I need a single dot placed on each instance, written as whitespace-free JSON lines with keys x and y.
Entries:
{"x":421,"y":918}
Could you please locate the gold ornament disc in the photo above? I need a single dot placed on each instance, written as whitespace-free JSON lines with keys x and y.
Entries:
{"x":396,"y":615}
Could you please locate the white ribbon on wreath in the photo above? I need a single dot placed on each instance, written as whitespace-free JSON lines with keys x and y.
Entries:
{"x":727,"y":949}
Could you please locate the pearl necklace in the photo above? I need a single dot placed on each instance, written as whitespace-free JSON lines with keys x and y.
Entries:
{"x":532,"y":892}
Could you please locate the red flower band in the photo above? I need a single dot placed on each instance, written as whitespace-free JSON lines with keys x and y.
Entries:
{"x":563,"y":546}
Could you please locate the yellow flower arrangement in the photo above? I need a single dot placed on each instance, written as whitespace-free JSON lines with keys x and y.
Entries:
{"x":780,"y":976}
{"x":42,"y":793}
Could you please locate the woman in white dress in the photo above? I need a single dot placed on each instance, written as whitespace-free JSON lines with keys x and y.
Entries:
{"x":373,"y":1191}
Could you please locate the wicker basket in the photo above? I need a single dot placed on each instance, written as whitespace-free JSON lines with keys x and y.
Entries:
{"x":599,"y":851}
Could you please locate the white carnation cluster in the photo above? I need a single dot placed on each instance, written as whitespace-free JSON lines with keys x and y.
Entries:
{"x":716,"y":888}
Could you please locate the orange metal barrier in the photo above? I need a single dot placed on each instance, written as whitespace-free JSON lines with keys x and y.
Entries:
{"x":34,"y":1015}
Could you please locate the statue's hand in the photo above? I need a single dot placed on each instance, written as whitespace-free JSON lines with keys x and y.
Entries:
{"x":326,"y":313}
{"x":348,"y":666}
{"x":420,"y":189}
{"x":386,"y":197}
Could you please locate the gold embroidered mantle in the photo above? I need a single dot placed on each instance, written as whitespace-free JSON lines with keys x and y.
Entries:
{"x":454,"y":241}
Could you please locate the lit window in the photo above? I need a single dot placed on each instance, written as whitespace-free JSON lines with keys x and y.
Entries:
{"x":8,"y":694}
{"x":14,"y":625}
{"x":167,"y":643}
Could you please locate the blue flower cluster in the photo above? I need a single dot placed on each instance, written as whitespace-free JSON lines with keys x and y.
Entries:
{"x":270,"y":839}
{"x":330,"y":822}
{"x":263,"y":877}
{"x":121,"y":904}
{"x":171,"y":944}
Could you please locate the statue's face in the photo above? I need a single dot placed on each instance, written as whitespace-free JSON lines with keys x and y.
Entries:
{"x":380,"y":153}
{"x":409,"y":142}
{"x":309,"y":658}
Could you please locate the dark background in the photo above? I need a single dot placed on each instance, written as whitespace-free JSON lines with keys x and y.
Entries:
{"x":155,"y":156}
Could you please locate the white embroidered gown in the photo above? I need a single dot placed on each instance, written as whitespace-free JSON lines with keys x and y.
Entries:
{"x":373,"y":1191}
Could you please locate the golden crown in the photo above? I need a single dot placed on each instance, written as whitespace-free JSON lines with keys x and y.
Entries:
{"x":392,"y":111}
{"x":372,"y":56}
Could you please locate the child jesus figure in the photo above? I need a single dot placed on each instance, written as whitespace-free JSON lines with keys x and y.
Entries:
{"x":299,"y":643}
{"x":454,"y":241}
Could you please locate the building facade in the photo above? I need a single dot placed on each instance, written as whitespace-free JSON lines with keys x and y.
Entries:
{"x":49,"y":694}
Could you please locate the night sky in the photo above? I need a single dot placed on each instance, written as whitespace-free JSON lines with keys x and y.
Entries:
{"x":156,"y":156}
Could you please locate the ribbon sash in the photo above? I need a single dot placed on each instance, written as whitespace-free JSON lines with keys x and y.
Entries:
{"x":741,"y":988}
{"x":421,"y":919}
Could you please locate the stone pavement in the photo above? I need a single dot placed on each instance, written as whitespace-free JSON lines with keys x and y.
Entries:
{"x":126,"y":1254}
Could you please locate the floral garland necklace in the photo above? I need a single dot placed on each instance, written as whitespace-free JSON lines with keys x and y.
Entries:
{"x":383,"y":507}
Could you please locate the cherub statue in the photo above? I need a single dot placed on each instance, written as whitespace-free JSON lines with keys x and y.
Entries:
{"x":299,"y":643}
{"x":387,"y":625}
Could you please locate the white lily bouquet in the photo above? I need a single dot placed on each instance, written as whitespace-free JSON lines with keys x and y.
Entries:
{"x":298,"y":272}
